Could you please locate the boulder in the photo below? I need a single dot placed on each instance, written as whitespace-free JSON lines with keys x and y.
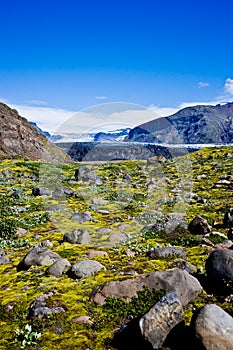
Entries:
{"x":228,"y":218}
{"x":82,"y":217}
{"x":55,"y":207}
{"x":62,"y":192}
{"x":219,"y":265}
{"x":117,"y":237}
{"x":85,"y":268}
{"x":186,"y":286}
{"x":58,"y":267}
{"x":79,"y":236}
{"x":38,"y":191}
{"x":199,"y":226}
{"x":38,"y":256}
{"x":3,"y":258}
{"x":43,"y":306}
{"x":84,"y":174}
{"x":213,"y":327}
{"x":156,"y":324}
{"x":94,"y":253}
{"x":166,"y":252}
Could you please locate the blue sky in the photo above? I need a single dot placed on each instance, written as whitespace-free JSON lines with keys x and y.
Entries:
{"x":69,"y":55}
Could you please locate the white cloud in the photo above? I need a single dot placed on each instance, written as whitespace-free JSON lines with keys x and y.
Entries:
{"x":46,"y":118}
{"x":203,"y":84}
{"x":101,"y":97}
{"x":229,"y":86}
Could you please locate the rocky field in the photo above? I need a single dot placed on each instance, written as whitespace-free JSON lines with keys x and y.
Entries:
{"x":120,"y":255}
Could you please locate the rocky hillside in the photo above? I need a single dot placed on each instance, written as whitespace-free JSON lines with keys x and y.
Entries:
{"x":18,"y":138}
{"x":130,"y":255}
{"x":199,"y":124}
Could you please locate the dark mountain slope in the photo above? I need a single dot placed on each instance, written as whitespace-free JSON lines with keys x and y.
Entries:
{"x":191,"y":125}
{"x":18,"y":138}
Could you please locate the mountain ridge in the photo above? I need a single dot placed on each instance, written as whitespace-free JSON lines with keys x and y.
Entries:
{"x":19,"y":138}
{"x":191,"y":125}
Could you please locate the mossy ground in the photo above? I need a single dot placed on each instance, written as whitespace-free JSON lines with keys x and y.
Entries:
{"x":120,"y":202}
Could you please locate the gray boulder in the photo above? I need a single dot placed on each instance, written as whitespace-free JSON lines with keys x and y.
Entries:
{"x":55,"y":207}
{"x":79,"y":236}
{"x":186,"y":286}
{"x":58,"y":267}
{"x":166,"y":252}
{"x":3,"y":258}
{"x":117,"y":237}
{"x":84,"y":174}
{"x":43,"y":306}
{"x":38,"y":256}
{"x":62,"y":192}
{"x":199,"y":226}
{"x":228,"y":218}
{"x":219,"y":264}
{"x":214,"y":328}
{"x":156,"y":324}
{"x":82,"y":217}
{"x":38,"y":191}
{"x":86,"y":268}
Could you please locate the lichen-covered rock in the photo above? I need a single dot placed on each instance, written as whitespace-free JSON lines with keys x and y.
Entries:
{"x":219,"y":264}
{"x":166,"y":252}
{"x":58,"y":267}
{"x":86,"y":268}
{"x":156,"y":324}
{"x":199,"y":226}
{"x":186,"y":286}
{"x":82,"y":217}
{"x":213,"y":327}
{"x":79,"y":236}
{"x":43,"y":306}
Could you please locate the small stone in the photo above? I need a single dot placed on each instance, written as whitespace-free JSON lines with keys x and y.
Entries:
{"x":83,"y":320}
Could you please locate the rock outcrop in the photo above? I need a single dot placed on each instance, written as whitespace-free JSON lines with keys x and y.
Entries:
{"x":19,"y":138}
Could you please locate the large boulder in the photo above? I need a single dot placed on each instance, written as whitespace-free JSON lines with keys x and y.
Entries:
{"x":199,"y":226}
{"x":219,"y":264}
{"x":186,"y":286}
{"x":156,"y":324}
{"x":38,"y":256}
{"x":213,"y":327}
{"x":79,"y":236}
{"x":86,"y":268}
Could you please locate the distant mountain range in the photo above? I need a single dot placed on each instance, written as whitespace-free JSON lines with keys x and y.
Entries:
{"x":191,"y":125}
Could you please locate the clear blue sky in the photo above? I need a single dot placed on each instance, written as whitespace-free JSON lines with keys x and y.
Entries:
{"x":69,"y":52}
